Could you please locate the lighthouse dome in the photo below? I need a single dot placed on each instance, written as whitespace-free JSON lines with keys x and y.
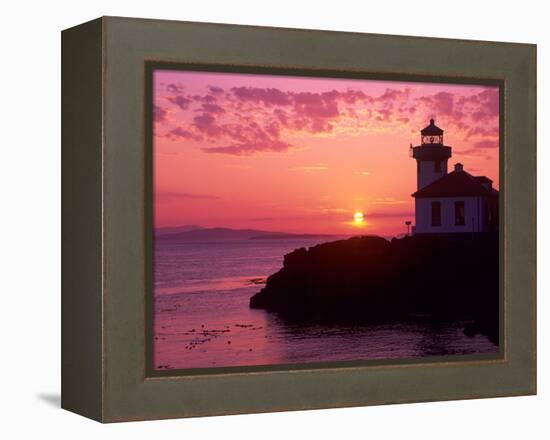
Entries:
{"x":431,"y":130}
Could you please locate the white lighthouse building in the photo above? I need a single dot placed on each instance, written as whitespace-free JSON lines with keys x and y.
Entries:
{"x":454,"y":202}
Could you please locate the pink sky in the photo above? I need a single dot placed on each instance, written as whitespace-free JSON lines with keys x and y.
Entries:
{"x":300,"y":154}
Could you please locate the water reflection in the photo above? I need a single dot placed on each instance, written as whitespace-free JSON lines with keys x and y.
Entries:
{"x":190,"y":335}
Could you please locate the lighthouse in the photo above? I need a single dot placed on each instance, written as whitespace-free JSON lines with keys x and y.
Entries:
{"x":431,"y":156}
{"x":448,"y":203}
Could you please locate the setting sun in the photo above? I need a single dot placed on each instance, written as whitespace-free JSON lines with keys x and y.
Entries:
{"x":358,"y":217}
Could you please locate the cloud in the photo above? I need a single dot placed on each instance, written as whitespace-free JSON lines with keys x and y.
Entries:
{"x":327,"y":214}
{"x":388,"y":214}
{"x":181,"y":101}
{"x":465,"y":112}
{"x":206,"y":123}
{"x":252,"y":120}
{"x":248,"y":138}
{"x":204,"y":98}
{"x":364,"y":173}
{"x":475,"y":152}
{"x":392,"y":95}
{"x":338,"y":214}
{"x":169,"y":196}
{"x":384,"y":115}
{"x":159,"y":114}
{"x":388,"y":201}
{"x":174,"y":88}
{"x":468,"y":151}
{"x":209,"y":107}
{"x":443,"y":103}
{"x":317,"y":112}
{"x":315,"y":168}
{"x":316,"y":105}
{"x":269,"y":96}
{"x":490,"y":101}
{"x":481,"y":131}
{"x":249,"y":120}
{"x":487,"y":143}
{"x":301,"y":111}
{"x":181,"y":133}
{"x":481,"y":107}
{"x":248,"y":149}
{"x":215,"y":90}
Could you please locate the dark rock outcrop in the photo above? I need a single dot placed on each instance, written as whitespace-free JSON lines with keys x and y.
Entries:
{"x":368,"y":279}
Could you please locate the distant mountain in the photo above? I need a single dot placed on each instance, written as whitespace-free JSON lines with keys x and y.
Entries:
{"x":223,"y":234}
{"x":284,"y":235}
{"x":174,"y":229}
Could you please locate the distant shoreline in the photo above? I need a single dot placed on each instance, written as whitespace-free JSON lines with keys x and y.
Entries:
{"x":196,"y":233}
{"x":286,"y":236}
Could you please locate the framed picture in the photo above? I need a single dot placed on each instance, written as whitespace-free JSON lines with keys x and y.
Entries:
{"x":263,"y":219}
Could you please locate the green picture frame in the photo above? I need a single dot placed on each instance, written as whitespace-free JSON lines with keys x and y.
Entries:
{"x":106,"y":215}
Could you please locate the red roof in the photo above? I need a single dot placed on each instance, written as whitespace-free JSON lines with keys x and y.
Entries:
{"x":483,"y":179}
{"x":456,"y":184}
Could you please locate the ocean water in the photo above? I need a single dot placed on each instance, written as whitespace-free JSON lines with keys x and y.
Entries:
{"x":202,"y":318}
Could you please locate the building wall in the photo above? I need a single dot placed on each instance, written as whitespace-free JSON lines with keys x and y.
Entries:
{"x":426,"y":173}
{"x":473,"y":213}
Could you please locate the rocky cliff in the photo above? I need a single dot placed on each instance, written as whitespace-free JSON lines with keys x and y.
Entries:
{"x":370,"y":279}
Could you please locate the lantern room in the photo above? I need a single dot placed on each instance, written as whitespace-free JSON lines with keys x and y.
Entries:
{"x":431,"y":134}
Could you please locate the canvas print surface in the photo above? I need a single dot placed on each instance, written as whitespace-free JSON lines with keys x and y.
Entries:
{"x":302,"y":220}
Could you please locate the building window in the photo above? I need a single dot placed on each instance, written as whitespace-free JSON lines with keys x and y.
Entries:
{"x":459,"y":214}
{"x":436,"y":214}
{"x":437,"y":166}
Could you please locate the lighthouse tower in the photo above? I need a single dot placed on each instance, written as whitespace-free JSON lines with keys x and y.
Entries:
{"x":431,"y":156}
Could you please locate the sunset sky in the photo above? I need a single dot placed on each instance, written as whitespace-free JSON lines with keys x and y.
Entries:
{"x":297,"y":154}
